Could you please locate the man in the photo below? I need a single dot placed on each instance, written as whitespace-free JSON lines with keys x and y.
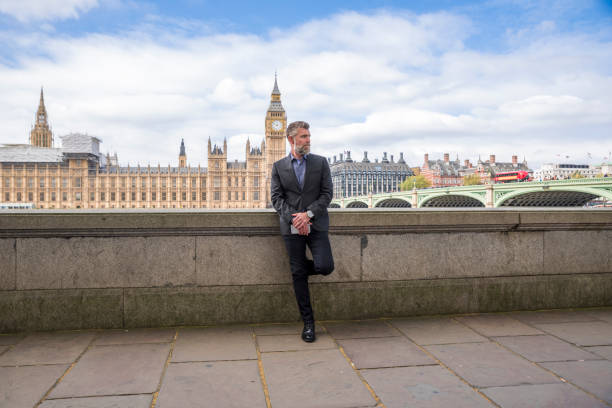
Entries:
{"x":301,"y":190}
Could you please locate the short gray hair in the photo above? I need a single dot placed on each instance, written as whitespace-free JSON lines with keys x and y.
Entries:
{"x":294,"y":126}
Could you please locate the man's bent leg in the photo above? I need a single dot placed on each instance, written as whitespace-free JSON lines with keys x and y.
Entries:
{"x":322,"y":258}
{"x":296,"y":248}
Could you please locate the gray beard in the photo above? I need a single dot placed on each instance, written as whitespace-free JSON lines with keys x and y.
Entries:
{"x":302,"y":150}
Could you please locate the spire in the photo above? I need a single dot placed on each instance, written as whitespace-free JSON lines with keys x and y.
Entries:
{"x":41,"y":134}
{"x":182,"y":152}
{"x":275,"y":100}
{"x":275,"y":91}
{"x":41,"y":113}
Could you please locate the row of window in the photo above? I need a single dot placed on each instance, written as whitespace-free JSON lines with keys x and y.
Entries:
{"x":77,"y":182}
{"x":231,"y":196}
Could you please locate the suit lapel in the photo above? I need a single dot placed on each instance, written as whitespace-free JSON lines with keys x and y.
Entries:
{"x":291,"y":173}
{"x":309,"y":169}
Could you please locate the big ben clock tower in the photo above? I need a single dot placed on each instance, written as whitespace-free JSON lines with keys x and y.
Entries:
{"x":276,"y":124}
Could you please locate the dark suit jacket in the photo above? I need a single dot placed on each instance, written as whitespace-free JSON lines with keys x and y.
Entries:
{"x":288,"y":198}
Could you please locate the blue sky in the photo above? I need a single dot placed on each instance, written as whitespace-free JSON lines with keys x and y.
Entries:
{"x":504,"y":77}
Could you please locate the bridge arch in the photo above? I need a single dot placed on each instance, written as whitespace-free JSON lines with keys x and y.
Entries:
{"x":558,"y":197}
{"x":356,"y":204}
{"x":334,"y":205}
{"x":452,"y":200}
{"x":393,"y":202}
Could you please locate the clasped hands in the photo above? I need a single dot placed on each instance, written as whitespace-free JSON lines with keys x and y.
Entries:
{"x":301,"y":221}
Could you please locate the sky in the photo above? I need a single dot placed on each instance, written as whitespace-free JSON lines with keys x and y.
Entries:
{"x":531,"y":78}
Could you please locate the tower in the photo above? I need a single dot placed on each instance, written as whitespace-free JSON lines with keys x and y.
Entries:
{"x":276,"y":125}
{"x":182,"y":155}
{"x":41,"y":135}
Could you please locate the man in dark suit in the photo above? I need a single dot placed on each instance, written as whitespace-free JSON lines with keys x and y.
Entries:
{"x":301,"y":190}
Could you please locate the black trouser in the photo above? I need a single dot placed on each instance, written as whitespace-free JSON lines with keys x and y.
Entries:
{"x":301,"y":268}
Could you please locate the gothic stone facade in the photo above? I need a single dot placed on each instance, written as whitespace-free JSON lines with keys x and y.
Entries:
{"x":78,"y":176}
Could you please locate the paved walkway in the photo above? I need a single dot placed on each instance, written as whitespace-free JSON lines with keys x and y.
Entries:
{"x":528,"y":359}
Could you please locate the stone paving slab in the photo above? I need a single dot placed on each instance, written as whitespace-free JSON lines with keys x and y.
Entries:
{"x":25,"y":386}
{"x":384,"y":352}
{"x":545,"y":348}
{"x":489,"y":365}
{"x":212,"y":384}
{"x":48,"y":348}
{"x":602,"y":314}
{"x":594,"y":376}
{"x":3,"y":349}
{"x":595,"y":333}
{"x":215,"y":343}
{"x":360,"y":329}
{"x":440,"y":330}
{"x":602,"y":351}
{"x":555,"y":316}
{"x":113,"y":370}
{"x":314,"y":379}
{"x":542,"y":395}
{"x":423,"y":387}
{"x":9,"y":339}
{"x":133,"y":336}
{"x":271,"y":329}
{"x":292,"y":342}
{"x":498,"y":325}
{"x":123,"y":401}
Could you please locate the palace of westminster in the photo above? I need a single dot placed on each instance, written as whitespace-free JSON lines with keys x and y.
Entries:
{"x":78,"y":176}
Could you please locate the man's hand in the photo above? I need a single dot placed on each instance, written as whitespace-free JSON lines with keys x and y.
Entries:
{"x":301,"y":222}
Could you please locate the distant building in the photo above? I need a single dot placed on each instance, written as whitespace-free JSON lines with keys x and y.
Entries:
{"x":78,"y":175}
{"x":351,"y":178}
{"x":560,"y":171}
{"x":447,"y":173}
{"x":606,"y":169}
{"x":491,"y":167}
{"x":442,"y":173}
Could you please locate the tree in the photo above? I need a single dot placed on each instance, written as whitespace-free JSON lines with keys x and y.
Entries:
{"x":577,"y":175}
{"x":409,"y":183}
{"x":472,"y":180}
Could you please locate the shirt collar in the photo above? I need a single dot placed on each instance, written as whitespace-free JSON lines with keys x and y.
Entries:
{"x":292,"y":157}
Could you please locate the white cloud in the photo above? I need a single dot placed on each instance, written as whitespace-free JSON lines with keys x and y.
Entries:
{"x":28,"y":10}
{"x":376,"y":82}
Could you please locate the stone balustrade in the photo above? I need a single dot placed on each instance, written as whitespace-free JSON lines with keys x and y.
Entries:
{"x":136,"y":268}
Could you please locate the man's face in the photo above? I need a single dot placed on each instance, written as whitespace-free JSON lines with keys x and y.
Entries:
{"x":301,"y":142}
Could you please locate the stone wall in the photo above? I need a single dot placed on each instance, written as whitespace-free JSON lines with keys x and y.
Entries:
{"x":96,"y":269}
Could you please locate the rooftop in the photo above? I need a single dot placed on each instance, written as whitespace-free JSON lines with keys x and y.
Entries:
{"x":560,"y":358}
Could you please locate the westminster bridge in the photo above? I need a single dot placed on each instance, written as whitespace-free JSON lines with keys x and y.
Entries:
{"x":554,"y":193}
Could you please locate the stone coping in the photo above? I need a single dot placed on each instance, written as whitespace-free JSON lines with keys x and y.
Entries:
{"x":251,"y":222}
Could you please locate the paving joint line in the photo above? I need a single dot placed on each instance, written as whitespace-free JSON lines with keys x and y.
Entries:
{"x":133,"y":344}
{"x":97,"y":396}
{"x":463,"y":380}
{"x":379,"y":403}
{"x":262,"y":375}
{"x":560,"y":378}
{"x":212,"y":361}
{"x":56,"y":383}
{"x":161,"y":378}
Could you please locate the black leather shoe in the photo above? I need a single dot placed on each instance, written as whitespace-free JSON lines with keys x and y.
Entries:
{"x":308,"y":334}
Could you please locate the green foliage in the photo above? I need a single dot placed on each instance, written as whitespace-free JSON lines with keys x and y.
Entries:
{"x":409,"y":183}
{"x":577,"y":175}
{"x":472,"y":180}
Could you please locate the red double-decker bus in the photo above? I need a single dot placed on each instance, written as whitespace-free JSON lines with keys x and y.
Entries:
{"x":511,"y":176}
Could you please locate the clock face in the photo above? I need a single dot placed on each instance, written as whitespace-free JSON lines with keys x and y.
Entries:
{"x":276,"y":125}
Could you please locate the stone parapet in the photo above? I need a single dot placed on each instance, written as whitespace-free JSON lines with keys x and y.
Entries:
{"x":112,"y":269}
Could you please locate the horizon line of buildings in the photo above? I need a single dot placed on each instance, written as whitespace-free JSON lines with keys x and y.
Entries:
{"x":78,"y":175}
